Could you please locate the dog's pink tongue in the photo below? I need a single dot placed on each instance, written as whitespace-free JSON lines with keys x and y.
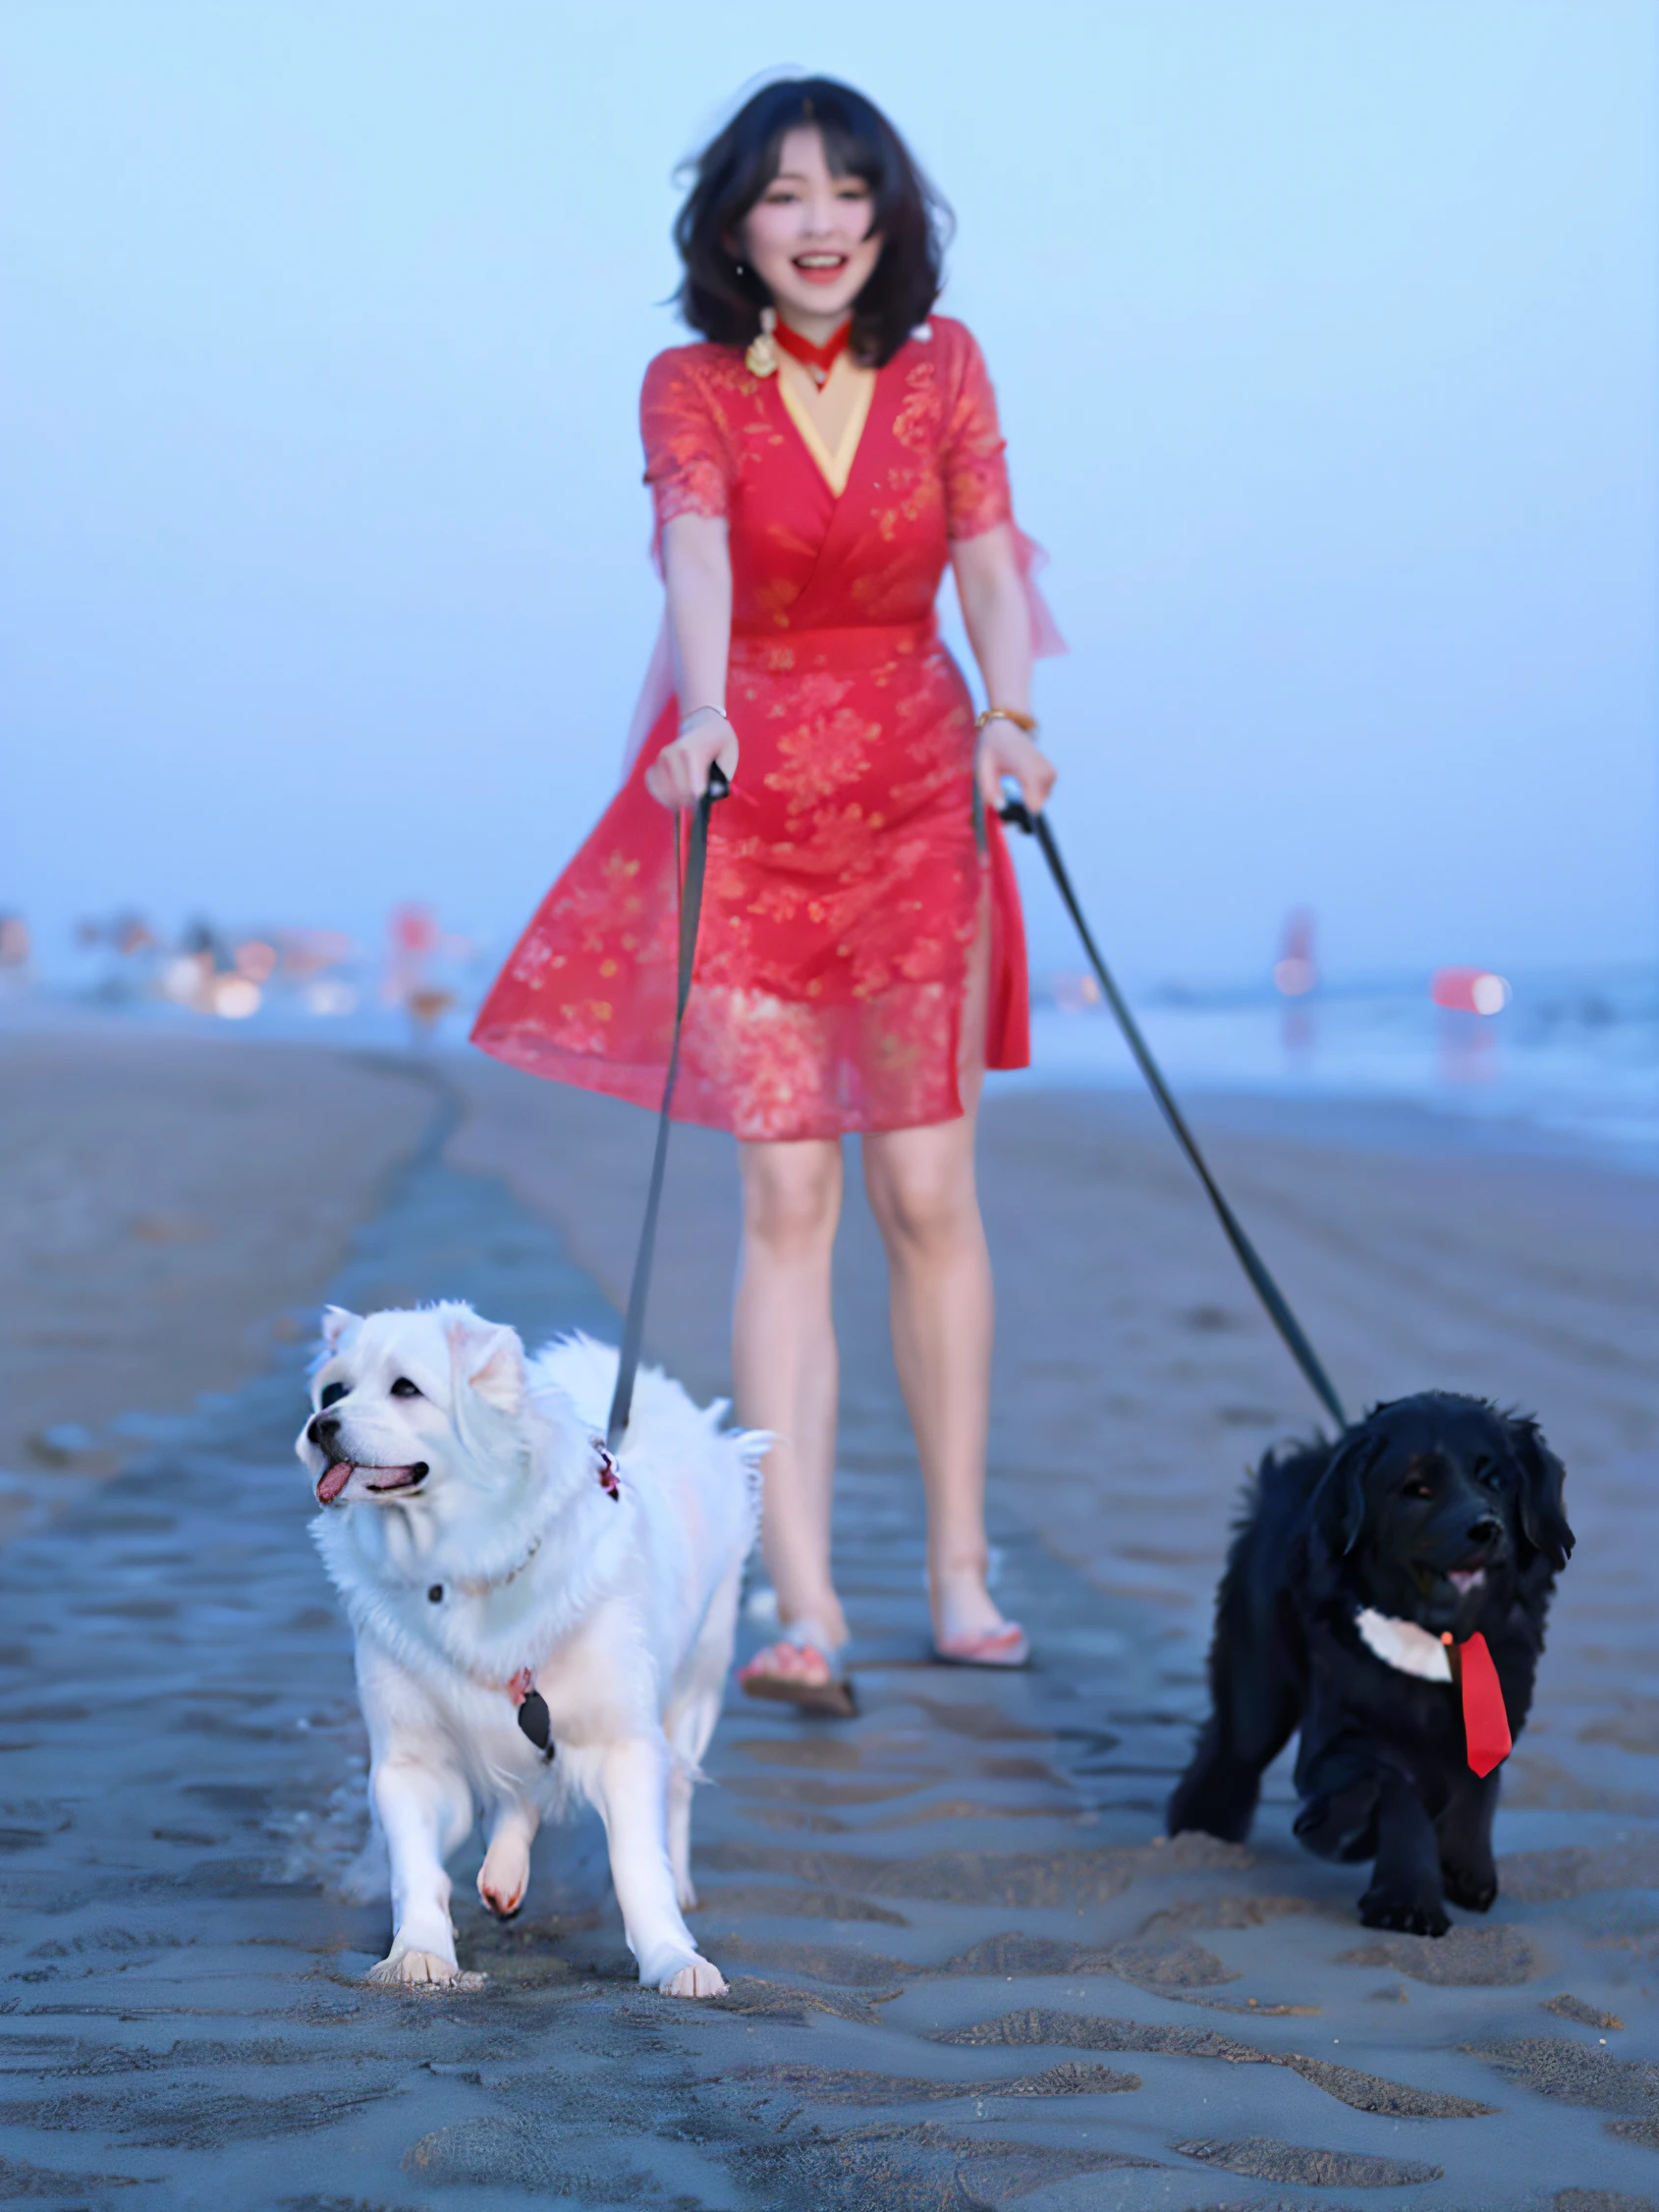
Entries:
{"x":332,"y":1481}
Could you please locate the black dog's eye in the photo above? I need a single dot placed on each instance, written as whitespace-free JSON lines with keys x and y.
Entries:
{"x":404,"y":1388}
{"x":1419,"y":1488}
{"x":334,"y":1392}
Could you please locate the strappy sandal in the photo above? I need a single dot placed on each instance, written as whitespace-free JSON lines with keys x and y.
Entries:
{"x":1007,"y":1646}
{"x":829,"y":1699}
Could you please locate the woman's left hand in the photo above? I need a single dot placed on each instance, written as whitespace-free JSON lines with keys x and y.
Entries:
{"x":1006,"y":751}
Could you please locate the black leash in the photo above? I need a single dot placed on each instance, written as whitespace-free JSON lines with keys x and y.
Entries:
{"x":634,"y":1327}
{"x":1015,"y":811}
{"x":534,"y":1718}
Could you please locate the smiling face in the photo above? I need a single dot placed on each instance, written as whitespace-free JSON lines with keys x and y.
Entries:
{"x":810,"y":238}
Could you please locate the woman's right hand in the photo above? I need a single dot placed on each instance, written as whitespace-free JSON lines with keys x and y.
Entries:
{"x":679,"y":774}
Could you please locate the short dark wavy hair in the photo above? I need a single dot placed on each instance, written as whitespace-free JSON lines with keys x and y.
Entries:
{"x":736,"y":168}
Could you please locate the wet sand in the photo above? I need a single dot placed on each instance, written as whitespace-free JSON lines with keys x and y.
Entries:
{"x":172,"y":1205}
{"x":966,"y":1971}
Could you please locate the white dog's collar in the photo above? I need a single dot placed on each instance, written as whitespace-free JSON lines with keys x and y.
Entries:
{"x":534,"y":1717}
{"x":483,"y":1586}
{"x":1402,"y":1644}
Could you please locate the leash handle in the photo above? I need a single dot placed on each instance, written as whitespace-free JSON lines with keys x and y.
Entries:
{"x":690,"y":911}
{"x":1016,"y":812}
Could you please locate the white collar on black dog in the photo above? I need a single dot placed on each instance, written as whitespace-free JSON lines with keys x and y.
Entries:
{"x":1413,"y":1650}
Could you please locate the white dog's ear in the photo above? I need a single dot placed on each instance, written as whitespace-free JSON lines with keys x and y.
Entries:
{"x":336,"y":1320}
{"x":490,"y":1358}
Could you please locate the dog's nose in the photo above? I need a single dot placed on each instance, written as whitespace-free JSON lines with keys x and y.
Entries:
{"x":1485,"y":1530}
{"x":323,"y":1433}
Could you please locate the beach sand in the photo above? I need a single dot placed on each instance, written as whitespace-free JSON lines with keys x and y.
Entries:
{"x":1136,"y":1375}
{"x":975,"y":1859}
{"x":172,"y":1206}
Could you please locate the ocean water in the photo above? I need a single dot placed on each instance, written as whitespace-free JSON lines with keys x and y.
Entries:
{"x":1570,"y":1064}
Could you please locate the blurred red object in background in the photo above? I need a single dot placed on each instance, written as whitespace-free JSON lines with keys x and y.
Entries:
{"x":1294,"y":971}
{"x":1469,"y":990}
{"x":413,"y":930}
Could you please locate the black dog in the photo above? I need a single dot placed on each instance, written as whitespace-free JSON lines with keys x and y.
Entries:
{"x":1435,"y":1514}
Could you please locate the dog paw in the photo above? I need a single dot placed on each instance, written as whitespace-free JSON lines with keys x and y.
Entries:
{"x":686,"y":1897}
{"x":1406,"y":1915}
{"x":1474,"y":1889}
{"x":421,"y":1970}
{"x":504,"y":1878}
{"x":701,"y":1978}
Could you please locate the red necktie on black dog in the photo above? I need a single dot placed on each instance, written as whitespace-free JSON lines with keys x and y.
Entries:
{"x":1486,"y":1724}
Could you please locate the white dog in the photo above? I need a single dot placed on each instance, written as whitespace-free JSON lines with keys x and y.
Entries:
{"x":489,"y":1552}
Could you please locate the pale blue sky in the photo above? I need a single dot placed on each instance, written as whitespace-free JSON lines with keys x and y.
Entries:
{"x":1325,"y":340}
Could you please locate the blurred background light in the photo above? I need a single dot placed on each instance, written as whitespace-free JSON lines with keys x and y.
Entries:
{"x":1469,"y":990}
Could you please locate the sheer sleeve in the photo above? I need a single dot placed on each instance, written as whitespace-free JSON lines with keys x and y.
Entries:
{"x":688,"y":462}
{"x":976,"y":493}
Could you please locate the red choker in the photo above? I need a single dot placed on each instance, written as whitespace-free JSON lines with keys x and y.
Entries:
{"x":817,"y":360}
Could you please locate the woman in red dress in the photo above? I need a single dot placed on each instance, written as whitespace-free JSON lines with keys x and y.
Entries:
{"x":816,"y":465}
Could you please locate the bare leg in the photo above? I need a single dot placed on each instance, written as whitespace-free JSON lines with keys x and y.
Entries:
{"x":785,"y":1366}
{"x":922,"y":1193}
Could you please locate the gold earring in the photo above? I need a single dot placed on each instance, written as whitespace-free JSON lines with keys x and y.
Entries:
{"x":761,"y":359}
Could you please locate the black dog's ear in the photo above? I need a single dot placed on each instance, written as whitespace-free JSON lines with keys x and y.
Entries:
{"x":1339,"y":1502}
{"x":1543,"y":1518}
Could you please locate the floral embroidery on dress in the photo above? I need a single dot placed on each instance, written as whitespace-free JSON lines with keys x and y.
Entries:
{"x":845,"y":883}
{"x":917,"y":423}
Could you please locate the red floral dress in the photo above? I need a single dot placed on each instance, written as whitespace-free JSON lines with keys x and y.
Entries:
{"x":845,"y":877}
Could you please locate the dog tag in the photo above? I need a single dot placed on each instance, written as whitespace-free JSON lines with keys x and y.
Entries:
{"x":536,"y":1721}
